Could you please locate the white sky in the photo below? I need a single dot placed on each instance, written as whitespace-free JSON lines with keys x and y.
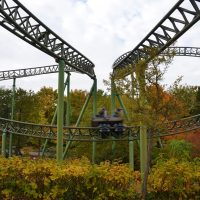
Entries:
{"x":100,"y":29}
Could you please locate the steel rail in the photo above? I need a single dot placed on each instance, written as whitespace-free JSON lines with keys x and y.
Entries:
{"x":20,"y":21}
{"x":20,"y":73}
{"x":176,"y":51}
{"x":173,"y":25}
{"x":89,"y":133}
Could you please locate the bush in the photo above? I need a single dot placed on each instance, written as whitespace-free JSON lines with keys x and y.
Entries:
{"x":174,"y":179}
{"x":78,"y":179}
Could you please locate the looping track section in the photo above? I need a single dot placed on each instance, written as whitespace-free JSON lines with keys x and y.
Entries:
{"x":20,"y":21}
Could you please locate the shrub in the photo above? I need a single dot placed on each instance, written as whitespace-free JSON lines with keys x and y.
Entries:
{"x":174,"y":179}
{"x":77,"y":179}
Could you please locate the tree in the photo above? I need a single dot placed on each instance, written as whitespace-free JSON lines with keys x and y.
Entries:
{"x":5,"y":103}
{"x":46,"y":104}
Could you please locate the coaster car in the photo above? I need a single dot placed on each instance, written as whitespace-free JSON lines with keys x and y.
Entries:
{"x":108,"y":126}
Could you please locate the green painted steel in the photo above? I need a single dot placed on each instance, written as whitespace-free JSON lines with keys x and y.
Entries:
{"x":94,"y":114}
{"x":17,"y":19}
{"x":113,"y":105}
{"x":79,"y":118}
{"x":163,"y":34}
{"x":3,"y":145}
{"x":12,"y":115}
{"x":46,"y":141}
{"x":93,"y":151}
{"x":68,"y":109}
{"x":60,"y":112}
{"x":173,"y":51}
{"x":143,"y":149}
{"x":85,"y":134}
{"x":95,"y":98}
{"x":122,"y":106}
{"x":131,"y":153}
{"x":85,"y":106}
{"x":52,"y":123}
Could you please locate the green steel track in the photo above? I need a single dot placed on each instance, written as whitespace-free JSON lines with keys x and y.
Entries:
{"x":172,"y":26}
{"x":34,"y":71}
{"x":20,"y":21}
{"x":93,"y":134}
{"x":176,"y":51}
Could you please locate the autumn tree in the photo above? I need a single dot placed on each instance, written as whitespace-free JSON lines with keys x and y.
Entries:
{"x":46,"y":104}
{"x":5,"y":103}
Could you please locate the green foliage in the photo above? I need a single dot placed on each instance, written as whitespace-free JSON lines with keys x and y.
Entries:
{"x":179,"y":149}
{"x":187,"y":95}
{"x":174,"y":179}
{"x":5,"y":103}
{"x":77,"y":179}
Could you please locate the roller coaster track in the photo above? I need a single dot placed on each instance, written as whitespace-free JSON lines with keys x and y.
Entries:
{"x":89,"y":133}
{"x":173,"y":25}
{"x":20,"y":73}
{"x":20,"y":21}
{"x":176,"y":51}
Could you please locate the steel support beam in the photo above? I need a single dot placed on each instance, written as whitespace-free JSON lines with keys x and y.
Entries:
{"x":3,"y":145}
{"x":94,"y":114}
{"x":79,"y":118}
{"x":12,"y":115}
{"x":122,"y":106}
{"x":68,"y":108}
{"x":113,"y":103}
{"x":131,"y":152}
{"x":113,"y":107}
{"x":60,"y":112}
{"x":52,"y":122}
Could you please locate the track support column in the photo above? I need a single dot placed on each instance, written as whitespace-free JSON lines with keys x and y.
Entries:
{"x":140,"y":77}
{"x":12,"y":115}
{"x":52,"y":123}
{"x":67,"y":123}
{"x":143,"y":149}
{"x":3,"y":148}
{"x":60,"y":112}
{"x":94,"y":114}
{"x":79,"y":119}
{"x":123,"y":106}
{"x":113,"y":106}
{"x":131,"y":152}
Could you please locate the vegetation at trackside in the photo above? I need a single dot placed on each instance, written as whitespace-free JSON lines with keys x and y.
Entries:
{"x":172,"y":172}
{"x":78,"y":179}
{"x":172,"y":177}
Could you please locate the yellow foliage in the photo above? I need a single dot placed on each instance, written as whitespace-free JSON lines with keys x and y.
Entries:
{"x":75,"y":179}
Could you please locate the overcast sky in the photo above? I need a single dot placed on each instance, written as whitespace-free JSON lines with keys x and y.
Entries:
{"x":100,"y":29}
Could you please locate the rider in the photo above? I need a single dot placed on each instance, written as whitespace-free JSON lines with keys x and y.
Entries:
{"x":117,"y":113}
{"x":103,"y":112}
